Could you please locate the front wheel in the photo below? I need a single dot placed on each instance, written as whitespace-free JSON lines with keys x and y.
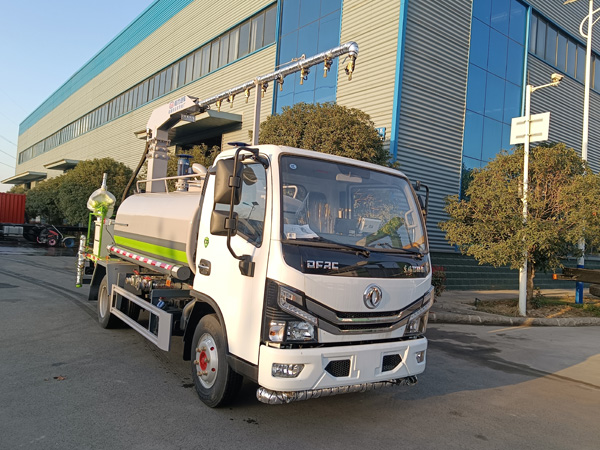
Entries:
{"x":216,"y":383}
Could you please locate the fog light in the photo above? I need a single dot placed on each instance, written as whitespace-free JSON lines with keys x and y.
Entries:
{"x":420,"y":356}
{"x":286,"y":370}
{"x":276,"y":331}
{"x":300,"y":331}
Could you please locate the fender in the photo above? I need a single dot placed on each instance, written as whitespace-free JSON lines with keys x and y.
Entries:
{"x":204,"y":305}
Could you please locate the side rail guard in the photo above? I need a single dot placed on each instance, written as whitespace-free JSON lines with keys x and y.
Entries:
{"x":161,"y":336}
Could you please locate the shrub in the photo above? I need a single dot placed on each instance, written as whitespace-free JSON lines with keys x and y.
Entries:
{"x":438,"y":280}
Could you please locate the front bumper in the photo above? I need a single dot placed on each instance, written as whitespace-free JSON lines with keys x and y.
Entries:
{"x":366,"y":364}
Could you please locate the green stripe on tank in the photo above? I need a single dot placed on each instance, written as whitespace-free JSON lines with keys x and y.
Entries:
{"x":158,"y":250}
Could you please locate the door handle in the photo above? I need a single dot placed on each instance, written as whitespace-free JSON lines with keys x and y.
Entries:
{"x":204,"y":267}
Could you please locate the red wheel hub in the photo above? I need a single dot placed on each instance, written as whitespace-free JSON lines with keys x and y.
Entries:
{"x":202,"y":360}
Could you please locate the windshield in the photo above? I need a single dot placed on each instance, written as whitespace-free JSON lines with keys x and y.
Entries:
{"x":346,"y":205}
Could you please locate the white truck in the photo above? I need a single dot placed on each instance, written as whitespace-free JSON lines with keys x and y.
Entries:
{"x":307,"y":273}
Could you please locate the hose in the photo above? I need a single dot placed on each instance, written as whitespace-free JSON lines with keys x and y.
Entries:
{"x":135,"y":172}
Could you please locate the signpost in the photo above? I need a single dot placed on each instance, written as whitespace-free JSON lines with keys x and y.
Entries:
{"x":525,"y":130}
{"x":539,"y":124}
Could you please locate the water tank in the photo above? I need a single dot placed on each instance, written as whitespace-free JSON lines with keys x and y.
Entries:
{"x":157,"y":225}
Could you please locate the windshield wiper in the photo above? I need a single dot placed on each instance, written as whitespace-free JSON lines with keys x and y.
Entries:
{"x":326,"y":243}
{"x":405,"y":251}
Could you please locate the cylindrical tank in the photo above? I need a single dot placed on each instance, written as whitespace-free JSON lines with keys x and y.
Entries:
{"x":158,"y":225}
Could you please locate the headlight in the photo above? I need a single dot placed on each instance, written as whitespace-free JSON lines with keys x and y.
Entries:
{"x":286,"y":300}
{"x":300,"y":331}
{"x":417,"y":321}
{"x":296,"y":331}
{"x":285,"y":320}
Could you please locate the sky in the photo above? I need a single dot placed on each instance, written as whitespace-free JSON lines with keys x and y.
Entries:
{"x":43,"y":43}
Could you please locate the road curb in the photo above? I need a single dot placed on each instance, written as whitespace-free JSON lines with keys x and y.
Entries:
{"x":493,"y":319}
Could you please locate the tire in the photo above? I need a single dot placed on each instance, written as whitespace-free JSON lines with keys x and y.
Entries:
{"x":105,"y":318}
{"x":133,"y":310}
{"x":216,"y":383}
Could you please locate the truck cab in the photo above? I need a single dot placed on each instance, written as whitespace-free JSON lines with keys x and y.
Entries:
{"x":315,"y":272}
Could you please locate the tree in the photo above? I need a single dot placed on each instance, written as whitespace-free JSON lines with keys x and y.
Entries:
{"x":78,"y":184}
{"x":327,"y":128}
{"x":18,"y":189}
{"x":200,"y":154}
{"x":63,"y":199}
{"x":42,"y":201}
{"x":563,"y":199}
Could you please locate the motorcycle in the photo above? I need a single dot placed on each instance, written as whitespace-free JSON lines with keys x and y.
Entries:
{"x":50,"y":236}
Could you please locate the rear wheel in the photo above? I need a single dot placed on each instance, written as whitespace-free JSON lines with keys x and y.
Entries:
{"x":215,"y":381}
{"x":105,"y":318}
{"x":133,"y":310}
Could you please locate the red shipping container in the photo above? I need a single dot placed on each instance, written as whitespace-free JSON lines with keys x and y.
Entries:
{"x":12,"y":208}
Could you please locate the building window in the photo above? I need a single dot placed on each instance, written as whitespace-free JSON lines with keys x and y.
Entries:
{"x":560,"y":50}
{"x":495,"y":80}
{"x":308,"y":27}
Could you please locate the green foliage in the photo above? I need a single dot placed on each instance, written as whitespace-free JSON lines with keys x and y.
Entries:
{"x":538,"y":299}
{"x":465,"y":180}
{"x":200,"y":154}
{"x":327,"y":128}
{"x":42,"y":200}
{"x":563,"y":199}
{"x":78,"y":184}
{"x":18,"y":189}
{"x":438,"y":280}
{"x":63,"y":199}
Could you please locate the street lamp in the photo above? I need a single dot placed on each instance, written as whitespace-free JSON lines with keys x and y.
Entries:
{"x":586,"y":118}
{"x":556,"y":78}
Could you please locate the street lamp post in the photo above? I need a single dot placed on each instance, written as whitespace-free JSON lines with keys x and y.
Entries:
{"x":529,"y":89}
{"x":586,"y":118}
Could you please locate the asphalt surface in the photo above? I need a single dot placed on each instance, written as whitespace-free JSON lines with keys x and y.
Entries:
{"x":69,"y":384}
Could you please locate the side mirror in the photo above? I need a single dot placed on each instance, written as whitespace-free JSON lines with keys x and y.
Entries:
{"x":423,"y":199}
{"x":225,"y":180}
{"x":220,"y":223}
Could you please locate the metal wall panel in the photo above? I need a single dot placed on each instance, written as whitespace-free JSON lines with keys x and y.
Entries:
{"x":374,"y":26}
{"x":116,"y":139}
{"x":568,"y":17}
{"x":184,"y":32}
{"x":433,"y":101}
{"x":565,"y":103}
{"x":12,"y":208}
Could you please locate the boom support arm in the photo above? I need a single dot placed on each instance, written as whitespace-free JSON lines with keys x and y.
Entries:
{"x":167,"y":116}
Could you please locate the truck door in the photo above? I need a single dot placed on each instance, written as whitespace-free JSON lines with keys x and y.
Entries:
{"x":239,"y":297}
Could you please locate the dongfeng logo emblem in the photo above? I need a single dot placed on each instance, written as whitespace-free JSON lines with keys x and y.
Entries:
{"x":372,"y":296}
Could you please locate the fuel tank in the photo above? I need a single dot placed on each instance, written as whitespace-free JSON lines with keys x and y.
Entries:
{"x":159,"y":225}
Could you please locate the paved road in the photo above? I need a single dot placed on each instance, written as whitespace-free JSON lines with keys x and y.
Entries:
{"x":68,"y":384}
